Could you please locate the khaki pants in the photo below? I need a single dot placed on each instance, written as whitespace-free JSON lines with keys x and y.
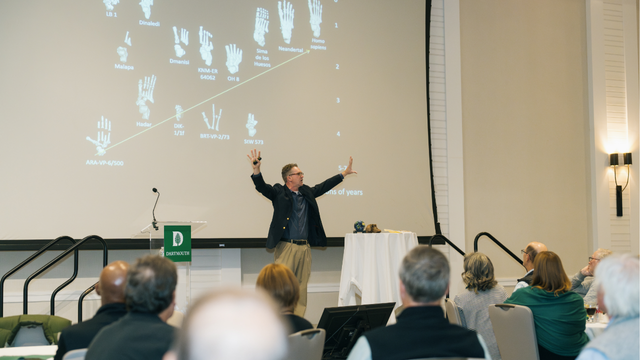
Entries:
{"x":298,"y":259}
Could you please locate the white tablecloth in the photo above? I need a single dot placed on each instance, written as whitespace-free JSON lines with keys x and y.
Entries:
{"x":370,"y":267}
{"x":594,"y":329}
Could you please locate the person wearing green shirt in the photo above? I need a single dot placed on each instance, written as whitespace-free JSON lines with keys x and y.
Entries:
{"x":558,"y":313}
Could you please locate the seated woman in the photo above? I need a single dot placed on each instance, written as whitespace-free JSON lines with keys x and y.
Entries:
{"x":558,"y":314}
{"x":482,"y":290}
{"x":280,"y":282}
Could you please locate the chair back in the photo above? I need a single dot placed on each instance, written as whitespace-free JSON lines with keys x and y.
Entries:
{"x":75,"y":354}
{"x":30,"y":335}
{"x":452,"y":312}
{"x":515,"y":331}
{"x":306,"y":345}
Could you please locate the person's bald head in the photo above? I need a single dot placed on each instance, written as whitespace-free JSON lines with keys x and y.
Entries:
{"x":530,"y":252}
{"x":113,"y":280}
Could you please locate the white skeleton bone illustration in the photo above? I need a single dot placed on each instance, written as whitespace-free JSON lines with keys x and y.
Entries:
{"x":145,"y":92}
{"x":104,"y":136}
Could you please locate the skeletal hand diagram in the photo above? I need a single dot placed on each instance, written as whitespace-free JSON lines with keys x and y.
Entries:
{"x":110,"y":3}
{"x":178,"y":112}
{"x":184,"y":37}
{"x":216,"y":118}
{"x":262,"y":26}
{"x":122,"y":51}
{"x":285,"y":10}
{"x":145,"y":92}
{"x":251,"y":124}
{"x":315,"y":20}
{"x":104,"y":136}
{"x":146,"y":7}
{"x":234,"y":58}
{"x":206,"y":46}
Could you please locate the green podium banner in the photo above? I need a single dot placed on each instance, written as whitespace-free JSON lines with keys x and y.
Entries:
{"x":177,"y":242}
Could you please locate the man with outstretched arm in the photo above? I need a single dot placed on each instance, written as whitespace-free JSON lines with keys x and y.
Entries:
{"x":295,"y":225}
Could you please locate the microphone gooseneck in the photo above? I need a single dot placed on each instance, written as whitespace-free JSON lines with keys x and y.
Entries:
{"x":153,"y":212}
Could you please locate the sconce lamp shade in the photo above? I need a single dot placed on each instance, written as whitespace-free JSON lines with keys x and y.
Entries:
{"x":613,"y":159}
{"x":627,"y":158}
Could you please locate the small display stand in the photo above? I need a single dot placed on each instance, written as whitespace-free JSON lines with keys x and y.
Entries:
{"x":172,"y":239}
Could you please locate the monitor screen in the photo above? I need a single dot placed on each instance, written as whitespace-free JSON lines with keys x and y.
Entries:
{"x":345,"y":324}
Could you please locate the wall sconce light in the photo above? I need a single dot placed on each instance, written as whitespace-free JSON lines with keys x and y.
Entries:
{"x":614,"y":161}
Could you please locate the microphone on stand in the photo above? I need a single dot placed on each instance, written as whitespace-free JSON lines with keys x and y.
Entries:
{"x":153,"y":212}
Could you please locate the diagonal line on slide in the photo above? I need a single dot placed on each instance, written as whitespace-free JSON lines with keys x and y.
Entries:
{"x":204,"y":101}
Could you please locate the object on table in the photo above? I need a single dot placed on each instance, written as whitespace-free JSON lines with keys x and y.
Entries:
{"x":372,"y":228}
{"x":359,"y":226}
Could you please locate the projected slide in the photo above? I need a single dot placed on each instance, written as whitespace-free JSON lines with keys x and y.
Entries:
{"x":104,"y":100}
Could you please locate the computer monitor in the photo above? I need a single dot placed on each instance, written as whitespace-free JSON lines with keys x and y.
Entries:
{"x":345,"y":324}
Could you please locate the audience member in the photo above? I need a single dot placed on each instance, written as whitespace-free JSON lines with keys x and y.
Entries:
{"x":528,"y":256}
{"x":619,"y":297}
{"x":280,"y":282}
{"x":582,"y":281}
{"x":482,"y":290}
{"x":231,"y":325}
{"x":110,"y":287}
{"x":558,"y":313}
{"x":421,"y":330}
{"x":141,"y":334}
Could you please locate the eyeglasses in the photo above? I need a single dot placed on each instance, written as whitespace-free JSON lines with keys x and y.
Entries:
{"x":592,"y":258}
{"x":524,"y":252}
{"x":299,"y":174}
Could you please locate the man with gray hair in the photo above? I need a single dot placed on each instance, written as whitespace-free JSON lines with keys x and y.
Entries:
{"x":422,"y":330}
{"x":582,"y":281}
{"x":618,"y":289}
{"x":142,"y":333}
{"x":231,"y":324}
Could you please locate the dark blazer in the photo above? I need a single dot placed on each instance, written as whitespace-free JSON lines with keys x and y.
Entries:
{"x":136,"y":336}
{"x":283,"y":207}
{"x":79,"y":336}
{"x":423,"y":332}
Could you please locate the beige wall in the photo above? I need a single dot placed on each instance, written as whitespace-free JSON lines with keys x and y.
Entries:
{"x":525,"y":127}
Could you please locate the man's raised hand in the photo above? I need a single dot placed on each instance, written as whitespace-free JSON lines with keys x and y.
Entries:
{"x":349,"y":169}
{"x":255,"y":161}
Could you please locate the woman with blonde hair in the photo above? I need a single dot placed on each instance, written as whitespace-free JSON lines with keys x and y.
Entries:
{"x":280,"y":282}
{"x":558,"y":313}
{"x":482,"y":290}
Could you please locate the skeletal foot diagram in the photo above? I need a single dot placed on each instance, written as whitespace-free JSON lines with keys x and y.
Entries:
{"x":184,"y":38}
{"x":104,"y":136}
{"x":315,"y":8}
{"x":205,"y":46}
{"x":179,"y":112}
{"x":122,"y":51}
{"x":251,"y":125}
{"x":145,"y":93}
{"x":146,"y":7}
{"x":215,"y":121}
{"x":285,"y":10}
{"x":234,"y":57}
{"x":110,"y":4}
{"x":262,"y":26}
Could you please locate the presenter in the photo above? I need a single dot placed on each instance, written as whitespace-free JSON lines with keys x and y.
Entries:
{"x":295,"y":225}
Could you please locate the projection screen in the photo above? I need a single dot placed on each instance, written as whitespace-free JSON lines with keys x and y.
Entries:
{"x":103,"y":100}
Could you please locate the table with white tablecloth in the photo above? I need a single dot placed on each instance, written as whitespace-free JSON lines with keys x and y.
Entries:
{"x":370,"y":267}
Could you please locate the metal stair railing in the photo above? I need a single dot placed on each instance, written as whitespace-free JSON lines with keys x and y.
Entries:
{"x":74,"y":248}
{"x":24,"y":263}
{"x":475,"y":246}
{"x":440,"y":236}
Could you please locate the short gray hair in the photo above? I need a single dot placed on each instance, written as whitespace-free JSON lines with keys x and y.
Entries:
{"x":425,"y":274}
{"x":151,"y":282}
{"x":232,"y":324}
{"x":603,"y":253}
{"x":619,"y":280}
